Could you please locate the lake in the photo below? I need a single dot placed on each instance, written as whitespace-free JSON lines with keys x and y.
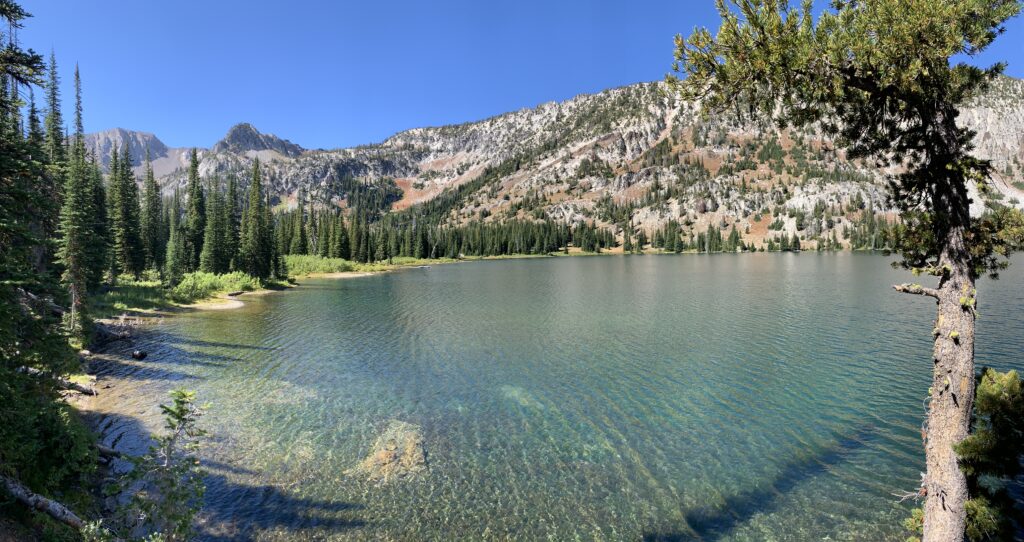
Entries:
{"x":726,"y":397}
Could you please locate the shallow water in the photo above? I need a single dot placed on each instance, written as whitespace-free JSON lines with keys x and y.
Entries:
{"x":747,"y":397}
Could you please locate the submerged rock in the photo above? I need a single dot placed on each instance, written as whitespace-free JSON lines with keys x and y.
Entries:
{"x":397,"y":453}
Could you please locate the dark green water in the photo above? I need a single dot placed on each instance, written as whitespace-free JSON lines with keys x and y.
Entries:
{"x":747,"y":397}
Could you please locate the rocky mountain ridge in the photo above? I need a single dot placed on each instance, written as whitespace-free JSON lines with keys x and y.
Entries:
{"x":634,"y":156}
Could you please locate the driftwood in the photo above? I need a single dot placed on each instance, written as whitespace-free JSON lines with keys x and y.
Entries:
{"x":62,"y":382}
{"x":233,"y":294}
{"x":35,"y":501}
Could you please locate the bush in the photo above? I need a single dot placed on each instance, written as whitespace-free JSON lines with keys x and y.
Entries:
{"x":200,"y":285}
{"x":301,"y":264}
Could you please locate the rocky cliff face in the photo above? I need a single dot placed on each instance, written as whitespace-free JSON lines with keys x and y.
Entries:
{"x":244,"y":138}
{"x":631,"y":155}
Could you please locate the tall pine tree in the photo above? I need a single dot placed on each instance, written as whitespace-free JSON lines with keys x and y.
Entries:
{"x":255,"y":246}
{"x":152,"y":218}
{"x":195,"y":215}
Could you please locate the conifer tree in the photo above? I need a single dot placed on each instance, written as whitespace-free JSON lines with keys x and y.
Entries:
{"x":99,"y":239}
{"x":152,"y":217}
{"x":255,"y":247}
{"x":54,"y":119}
{"x":299,"y":242}
{"x":128,"y":254}
{"x":194,"y":226}
{"x":231,"y":221}
{"x":176,"y":253}
{"x":75,"y":237}
{"x":215,"y":257}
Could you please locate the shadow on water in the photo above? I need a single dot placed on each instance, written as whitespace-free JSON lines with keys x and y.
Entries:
{"x":238,"y":511}
{"x":234,"y":509}
{"x":215,"y":344}
{"x":162,"y":354}
{"x":715,"y":523}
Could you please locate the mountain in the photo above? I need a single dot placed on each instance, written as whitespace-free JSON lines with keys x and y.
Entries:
{"x":165,"y":159}
{"x":244,"y":138}
{"x":634,"y":155}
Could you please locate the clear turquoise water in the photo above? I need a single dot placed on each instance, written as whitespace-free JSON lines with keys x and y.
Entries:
{"x":747,"y":397}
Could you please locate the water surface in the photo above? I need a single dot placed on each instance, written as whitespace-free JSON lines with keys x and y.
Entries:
{"x":746,"y":397}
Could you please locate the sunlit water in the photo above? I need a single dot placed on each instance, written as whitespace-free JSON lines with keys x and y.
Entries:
{"x":746,"y":397}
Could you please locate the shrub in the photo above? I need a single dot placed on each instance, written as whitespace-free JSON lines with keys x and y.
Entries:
{"x":200,"y":285}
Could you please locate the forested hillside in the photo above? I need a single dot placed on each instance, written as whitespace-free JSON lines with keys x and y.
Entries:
{"x":633,"y":161}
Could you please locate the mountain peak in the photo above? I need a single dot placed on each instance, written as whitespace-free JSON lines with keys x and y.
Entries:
{"x":103,"y":143}
{"x":245,"y":137}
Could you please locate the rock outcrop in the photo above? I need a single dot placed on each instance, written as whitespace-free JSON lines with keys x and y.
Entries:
{"x":398,"y":453}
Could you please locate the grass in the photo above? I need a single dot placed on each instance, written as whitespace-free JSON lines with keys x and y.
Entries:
{"x":131,"y":295}
{"x":148,"y":294}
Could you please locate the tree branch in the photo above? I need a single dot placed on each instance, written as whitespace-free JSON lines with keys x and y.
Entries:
{"x":916,"y":289}
{"x":35,"y":501}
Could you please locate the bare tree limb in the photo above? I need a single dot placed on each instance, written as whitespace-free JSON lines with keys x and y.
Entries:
{"x":916,"y":289}
{"x":35,"y":501}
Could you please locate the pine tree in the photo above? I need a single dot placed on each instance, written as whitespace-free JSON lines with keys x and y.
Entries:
{"x":887,"y":79}
{"x":75,"y":221}
{"x":54,"y":119}
{"x":299,"y":243}
{"x":99,"y":240}
{"x":152,"y":217}
{"x":215,"y":257}
{"x":128,"y":254}
{"x":194,"y":226}
{"x":176,"y":253}
{"x":254,"y":246}
{"x":231,"y":221}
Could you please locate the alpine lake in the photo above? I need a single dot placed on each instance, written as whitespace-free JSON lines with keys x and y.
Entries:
{"x":691,"y":397}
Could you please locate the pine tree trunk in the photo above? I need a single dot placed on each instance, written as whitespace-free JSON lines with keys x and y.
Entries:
{"x":952,"y":394}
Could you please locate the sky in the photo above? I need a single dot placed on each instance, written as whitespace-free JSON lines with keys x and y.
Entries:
{"x":329,"y":74}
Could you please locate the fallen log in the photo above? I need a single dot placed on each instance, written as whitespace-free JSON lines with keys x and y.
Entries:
{"x":38,"y":502}
{"x":102,"y":336}
{"x":63,"y":383}
{"x":107,"y":451}
{"x":54,"y":308}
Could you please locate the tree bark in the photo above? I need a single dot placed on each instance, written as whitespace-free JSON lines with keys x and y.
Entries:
{"x":952,"y":394}
{"x":35,"y":501}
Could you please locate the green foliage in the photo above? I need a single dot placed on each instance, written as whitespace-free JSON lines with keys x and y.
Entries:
{"x":861,"y":71}
{"x":256,"y":244}
{"x":194,"y":225}
{"x":152,"y":219}
{"x":172,"y":482}
{"x":131,"y":295}
{"x":202,"y":285}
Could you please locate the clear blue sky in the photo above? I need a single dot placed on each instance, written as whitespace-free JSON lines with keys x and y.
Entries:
{"x":333,"y":74}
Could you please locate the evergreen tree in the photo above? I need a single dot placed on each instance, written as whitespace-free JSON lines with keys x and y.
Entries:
{"x":54,"y":119}
{"x":128,"y":255}
{"x":887,"y":79}
{"x":194,"y":226}
{"x":215,"y":257}
{"x":299,"y":243}
{"x":75,"y":237}
{"x":176,"y":254}
{"x":255,"y":247}
{"x":99,"y":239}
{"x":231,"y":221}
{"x":152,"y":217}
